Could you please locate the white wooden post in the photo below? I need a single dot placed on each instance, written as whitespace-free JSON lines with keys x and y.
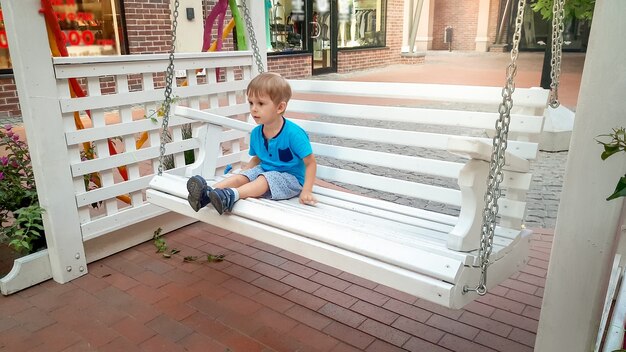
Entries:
{"x":37,"y":89}
{"x":586,"y":229}
{"x":257,"y":15}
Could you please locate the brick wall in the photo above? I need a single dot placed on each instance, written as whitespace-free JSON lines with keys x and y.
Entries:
{"x":292,"y":66}
{"x":148,"y":26}
{"x":462,"y":16}
{"x":9,"y":104}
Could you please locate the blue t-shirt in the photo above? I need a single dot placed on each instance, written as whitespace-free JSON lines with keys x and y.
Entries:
{"x":284,"y":152}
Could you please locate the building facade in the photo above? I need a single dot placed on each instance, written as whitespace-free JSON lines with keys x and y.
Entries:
{"x":303,"y":37}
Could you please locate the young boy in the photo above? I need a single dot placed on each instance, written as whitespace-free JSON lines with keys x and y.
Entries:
{"x":282,"y":164}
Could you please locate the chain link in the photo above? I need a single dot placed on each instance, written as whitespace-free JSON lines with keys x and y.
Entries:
{"x":493,"y":193}
{"x":253,"y":43}
{"x":558,"y":13}
{"x":169,"y":83}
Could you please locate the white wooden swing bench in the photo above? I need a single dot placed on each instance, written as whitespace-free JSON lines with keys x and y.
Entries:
{"x":429,"y":254}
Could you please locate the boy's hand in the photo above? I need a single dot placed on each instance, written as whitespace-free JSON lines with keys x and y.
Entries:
{"x":307,"y":198}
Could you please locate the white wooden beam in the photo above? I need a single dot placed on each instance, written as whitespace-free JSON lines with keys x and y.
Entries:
{"x":587,"y":224}
{"x":257,"y":15}
{"x":37,"y":89}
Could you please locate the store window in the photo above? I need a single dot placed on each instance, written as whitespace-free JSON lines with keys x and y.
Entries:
{"x":286,"y":25}
{"x":361,"y":23}
{"x":89,"y":27}
{"x":536,"y":29}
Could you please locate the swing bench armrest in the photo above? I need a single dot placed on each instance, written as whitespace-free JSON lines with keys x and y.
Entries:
{"x":481,"y":150}
{"x":214,"y":119}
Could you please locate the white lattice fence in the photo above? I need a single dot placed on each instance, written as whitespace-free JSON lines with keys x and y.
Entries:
{"x":124,"y":116}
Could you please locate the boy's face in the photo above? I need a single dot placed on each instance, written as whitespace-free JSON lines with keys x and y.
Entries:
{"x":264,"y":110}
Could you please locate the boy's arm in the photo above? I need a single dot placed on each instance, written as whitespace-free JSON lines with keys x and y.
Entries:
{"x":306,"y":196}
{"x":254,"y":161}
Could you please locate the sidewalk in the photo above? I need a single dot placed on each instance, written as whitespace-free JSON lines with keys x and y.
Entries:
{"x":261,"y":298}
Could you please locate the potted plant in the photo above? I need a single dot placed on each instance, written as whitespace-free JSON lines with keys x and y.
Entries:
{"x":20,"y":214}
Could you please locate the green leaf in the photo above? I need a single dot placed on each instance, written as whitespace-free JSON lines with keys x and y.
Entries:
{"x":214,"y":258}
{"x":609,"y":149}
{"x":620,"y":189}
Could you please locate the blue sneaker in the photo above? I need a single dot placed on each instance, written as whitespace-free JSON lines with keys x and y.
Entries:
{"x":198,"y":189}
{"x":223,"y":199}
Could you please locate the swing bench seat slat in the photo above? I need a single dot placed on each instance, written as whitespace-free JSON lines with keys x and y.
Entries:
{"x":424,"y":251}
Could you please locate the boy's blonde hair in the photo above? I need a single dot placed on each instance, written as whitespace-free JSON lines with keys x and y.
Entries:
{"x":270,"y":84}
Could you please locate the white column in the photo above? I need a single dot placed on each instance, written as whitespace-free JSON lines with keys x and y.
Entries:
{"x":482,"y":26}
{"x":37,"y":90}
{"x":424,"y":39}
{"x":189,"y":33}
{"x":587,"y":224}
{"x":257,"y":15}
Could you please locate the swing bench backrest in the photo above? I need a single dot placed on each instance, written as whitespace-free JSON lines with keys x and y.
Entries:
{"x":401,"y":187}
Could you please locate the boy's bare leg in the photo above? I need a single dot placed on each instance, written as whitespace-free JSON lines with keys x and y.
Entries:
{"x":233,"y":181}
{"x":254,"y":189}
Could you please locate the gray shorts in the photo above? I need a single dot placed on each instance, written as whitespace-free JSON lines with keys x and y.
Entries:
{"x":283,"y":185}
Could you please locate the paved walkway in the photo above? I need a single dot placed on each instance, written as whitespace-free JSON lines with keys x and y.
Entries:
{"x":261,"y":298}
{"x":488,"y":69}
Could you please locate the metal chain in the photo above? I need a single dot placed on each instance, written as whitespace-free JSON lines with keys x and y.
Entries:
{"x":255,"y":46}
{"x":169,"y":82}
{"x":493,"y":193}
{"x":558,"y":13}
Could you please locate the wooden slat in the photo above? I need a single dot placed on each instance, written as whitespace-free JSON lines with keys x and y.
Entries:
{"x":96,"y":165}
{"x":438,"y":141}
{"x":381,"y":183}
{"x":395,"y":161}
{"x":71,"y":67}
{"x":438,"y":117}
{"x":138,"y":126}
{"x":114,"y":100}
{"x":533,"y":97}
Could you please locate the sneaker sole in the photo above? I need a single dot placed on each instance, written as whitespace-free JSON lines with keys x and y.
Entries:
{"x":217,"y":202}
{"x":195,"y":187}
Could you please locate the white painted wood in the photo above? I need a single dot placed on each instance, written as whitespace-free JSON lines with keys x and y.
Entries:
{"x":27,"y":271}
{"x":265,"y":221}
{"x":438,"y":141}
{"x":257,"y":17}
{"x":382,"y":183}
{"x":417,"y":91}
{"x":138,"y":126}
{"x":44,"y":129}
{"x":437,"y":117}
{"x":587,"y":224}
{"x":466,"y":234}
{"x":88,"y":66}
{"x":95,"y":165}
{"x":402,"y":162}
{"x":611,"y":293}
{"x":104,"y":101}
{"x":481,"y":150}
{"x":614,"y":336}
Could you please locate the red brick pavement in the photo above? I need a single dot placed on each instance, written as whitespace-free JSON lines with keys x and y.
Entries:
{"x":259,"y":298}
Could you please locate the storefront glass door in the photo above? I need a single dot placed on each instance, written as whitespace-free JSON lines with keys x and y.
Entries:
{"x":323,"y":30}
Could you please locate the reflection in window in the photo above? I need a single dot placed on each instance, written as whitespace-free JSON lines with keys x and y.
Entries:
{"x":89,"y":27}
{"x":361,"y":23}
{"x":286,"y":25}
{"x":536,"y":30}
